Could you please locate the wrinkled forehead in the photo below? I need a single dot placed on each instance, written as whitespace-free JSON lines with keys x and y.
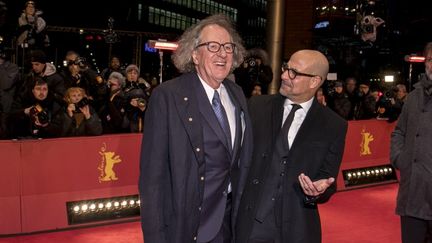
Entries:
{"x":214,"y":32}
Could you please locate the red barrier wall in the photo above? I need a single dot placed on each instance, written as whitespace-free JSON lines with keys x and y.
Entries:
{"x":45,"y":174}
{"x":367,"y":144}
{"x":42,"y":175}
{"x":10,"y":185}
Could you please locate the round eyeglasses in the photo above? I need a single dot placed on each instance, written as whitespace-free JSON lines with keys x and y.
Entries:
{"x":292,"y":73}
{"x":213,"y":46}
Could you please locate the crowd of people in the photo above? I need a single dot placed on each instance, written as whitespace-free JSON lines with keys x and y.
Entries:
{"x":354,"y":100}
{"x":40,"y":99}
{"x":73,"y":101}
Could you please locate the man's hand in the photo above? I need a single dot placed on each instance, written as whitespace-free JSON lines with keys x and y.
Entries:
{"x":315,"y":188}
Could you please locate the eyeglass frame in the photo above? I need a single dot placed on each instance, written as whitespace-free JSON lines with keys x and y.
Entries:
{"x":285,"y":67}
{"x":220,"y":45}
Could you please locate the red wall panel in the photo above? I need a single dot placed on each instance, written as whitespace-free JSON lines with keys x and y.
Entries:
{"x":10,"y":176}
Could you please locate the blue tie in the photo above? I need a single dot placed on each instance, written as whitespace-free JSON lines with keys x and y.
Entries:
{"x":221,"y":116}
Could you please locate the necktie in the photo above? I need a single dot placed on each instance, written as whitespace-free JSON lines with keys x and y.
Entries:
{"x":287,"y":124}
{"x":221,"y":116}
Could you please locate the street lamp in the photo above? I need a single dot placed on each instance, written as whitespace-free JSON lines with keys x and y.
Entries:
{"x":412,"y":59}
{"x":161,"y":45}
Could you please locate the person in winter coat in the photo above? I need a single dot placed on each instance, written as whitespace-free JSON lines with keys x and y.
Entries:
{"x":410,"y":153}
{"x":78,"y":118}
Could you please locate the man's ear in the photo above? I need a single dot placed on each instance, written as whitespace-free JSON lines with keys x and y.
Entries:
{"x":195,"y":57}
{"x":315,"y":81}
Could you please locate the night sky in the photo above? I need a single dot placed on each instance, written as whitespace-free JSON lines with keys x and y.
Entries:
{"x":75,"y":13}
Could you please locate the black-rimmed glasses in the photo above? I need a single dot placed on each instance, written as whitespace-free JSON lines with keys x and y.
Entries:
{"x":213,"y":46}
{"x":292,"y":73}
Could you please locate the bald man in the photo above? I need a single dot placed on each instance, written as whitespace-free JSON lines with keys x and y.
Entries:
{"x":295,"y":163}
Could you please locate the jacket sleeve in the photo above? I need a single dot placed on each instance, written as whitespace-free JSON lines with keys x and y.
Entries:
{"x":93,"y":125}
{"x":331,"y":164}
{"x":154,"y":169}
{"x":398,"y":136}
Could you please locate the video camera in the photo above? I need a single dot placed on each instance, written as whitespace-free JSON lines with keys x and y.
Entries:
{"x":38,"y":113}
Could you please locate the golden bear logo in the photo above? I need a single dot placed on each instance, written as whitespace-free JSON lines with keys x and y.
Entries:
{"x":106,"y":165}
{"x":367,"y":137}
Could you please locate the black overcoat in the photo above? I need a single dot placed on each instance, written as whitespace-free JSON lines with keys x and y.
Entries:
{"x":172,"y":160}
{"x":316,"y":151}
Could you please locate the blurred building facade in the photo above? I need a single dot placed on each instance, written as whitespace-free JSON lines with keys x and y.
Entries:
{"x":336,"y":27}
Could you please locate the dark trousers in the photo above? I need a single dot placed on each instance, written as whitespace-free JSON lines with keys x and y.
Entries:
{"x":225,"y":234}
{"x":415,"y":230}
{"x":266,"y":231}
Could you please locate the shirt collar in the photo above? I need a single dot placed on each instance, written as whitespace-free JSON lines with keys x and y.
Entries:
{"x":209,"y":90}
{"x":305,"y":105}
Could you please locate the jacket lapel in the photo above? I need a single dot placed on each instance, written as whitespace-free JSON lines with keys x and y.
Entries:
{"x":187,"y":107}
{"x":277,"y":117}
{"x":207,"y":112}
{"x":239,"y":119}
{"x":308,"y":122}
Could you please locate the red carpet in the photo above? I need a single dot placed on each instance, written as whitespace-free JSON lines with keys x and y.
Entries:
{"x":361,"y":216}
{"x":357,"y":216}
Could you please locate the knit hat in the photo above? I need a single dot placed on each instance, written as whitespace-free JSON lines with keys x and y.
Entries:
{"x":38,"y":56}
{"x":132,"y":67}
{"x":338,"y":84}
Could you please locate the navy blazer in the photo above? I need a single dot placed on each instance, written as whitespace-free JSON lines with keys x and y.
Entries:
{"x":172,"y":159}
{"x":316,"y":151}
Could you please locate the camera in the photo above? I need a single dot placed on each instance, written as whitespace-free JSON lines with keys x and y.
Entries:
{"x":142,"y":102}
{"x":38,"y":113}
{"x":80,"y":104}
{"x":367,"y":28}
{"x":80,"y":62}
{"x":134,"y":85}
{"x":251,"y":62}
{"x":391,"y":94}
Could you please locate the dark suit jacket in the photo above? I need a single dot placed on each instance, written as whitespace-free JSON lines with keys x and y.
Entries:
{"x":172,"y":159}
{"x":316,"y":151}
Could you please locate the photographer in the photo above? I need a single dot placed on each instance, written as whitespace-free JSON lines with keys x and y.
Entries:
{"x":366,"y":106}
{"x":390,"y":104}
{"x":41,"y":67}
{"x":113,"y":113}
{"x":31,"y":117}
{"x":9,"y":79}
{"x":338,"y":100}
{"x":78,"y":118}
{"x":136,"y":93}
{"x":77,"y":73}
{"x":114,"y":66}
{"x":255,"y":70}
{"x":32,"y":27}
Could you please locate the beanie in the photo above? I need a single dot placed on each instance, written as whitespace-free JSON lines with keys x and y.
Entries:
{"x":38,"y":56}
{"x":132,"y":67}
